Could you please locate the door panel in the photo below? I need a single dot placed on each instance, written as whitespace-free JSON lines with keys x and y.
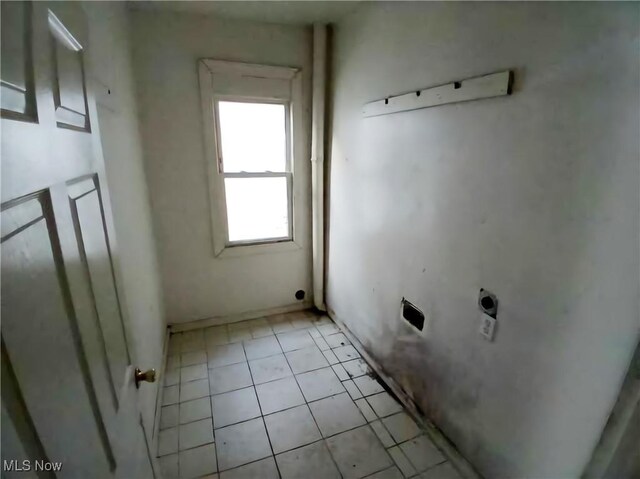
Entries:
{"x":68,"y":393}
{"x":41,"y":153}
{"x":40,"y":331}
{"x":92,"y":242}
{"x":19,"y":437}
{"x":69,"y":87}
{"x":17,"y":87}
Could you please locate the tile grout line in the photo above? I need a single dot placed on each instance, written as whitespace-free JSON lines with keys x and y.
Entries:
{"x":366,"y":424}
{"x":265,"y":382}
{"x":263,"y":357}
{"x":364,"y":396}
{"x":229,"y":342}
{"x":179,"y":391}
{"x":213,"y":429}
{"x":209,"y":395}
{"x":255,"y":391}
{"x":288,"y":409}
{"x":190,"y":422}
{"x":322,"y":438}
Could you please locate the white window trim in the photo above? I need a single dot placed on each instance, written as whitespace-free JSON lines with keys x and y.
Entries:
{"x":206,"y":69}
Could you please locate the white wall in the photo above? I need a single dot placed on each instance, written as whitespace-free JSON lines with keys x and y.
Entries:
{"x":534,"y":197}
{"x":166,"y":49}
{"x":110,"y":63}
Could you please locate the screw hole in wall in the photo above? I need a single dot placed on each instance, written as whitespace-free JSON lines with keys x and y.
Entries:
{"x":457,"y":85}
{"x":300,"y":294}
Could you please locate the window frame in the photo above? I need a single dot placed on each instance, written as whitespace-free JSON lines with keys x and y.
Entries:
{"x":260,"y":80}
{"x":287,"y":173}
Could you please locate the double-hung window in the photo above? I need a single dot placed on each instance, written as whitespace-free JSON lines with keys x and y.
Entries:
{"x":249,"y":117}
{"x":254,"y":158}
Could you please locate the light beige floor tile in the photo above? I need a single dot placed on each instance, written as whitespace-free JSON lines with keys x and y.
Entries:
{"x":235,"y":406}
{"x":346,"y":353}
{"x":168,"y":441}
{"x":225,"y":354}
{"x":229,"y":378}
{"x":194,"y":410}
{"x":307,"y":359}
{"x":422,"y":453}
{"x":278,"y":395}
{"x":401,"y":427}
{"x":198,"y":461}
{"x":194,"y":390}
{"x":291,"y":428}
{"x":358,"y":453}
{"x":263,"y":469}
{"x":262,"y":347}
{"x":242,"y":443}
{"x":319,"y":384}
{"x":383,"y":404}
{"x":295,"y":340}
{"x":169,"y":416}
{"x":269,"y":369}
{"x":312,"y":461}
{"x":336,"y":414}
{"x":195,"y":434}
{"x":368,"y":386}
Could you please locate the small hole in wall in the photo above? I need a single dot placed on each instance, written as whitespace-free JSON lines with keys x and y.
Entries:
{"x":487,"y":302}
{"x":300,"y":294}
{"x":457,"y":85}
{"x":109,"y":92}
{"x":386,"y":101}
{"x":418,"y":93}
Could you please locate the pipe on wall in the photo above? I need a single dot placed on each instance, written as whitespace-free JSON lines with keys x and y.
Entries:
{"x":317,"y":160}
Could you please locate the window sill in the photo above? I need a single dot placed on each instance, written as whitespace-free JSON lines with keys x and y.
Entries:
{"x":253,"y":249}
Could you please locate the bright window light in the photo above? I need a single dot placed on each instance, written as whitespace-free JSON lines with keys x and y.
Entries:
{"x":257,"y":208}
{"x":257,"y":180}
{"x":253,"y":136}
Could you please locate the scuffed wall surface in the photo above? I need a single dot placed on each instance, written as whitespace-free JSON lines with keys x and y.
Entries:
{"x":535,"y":197}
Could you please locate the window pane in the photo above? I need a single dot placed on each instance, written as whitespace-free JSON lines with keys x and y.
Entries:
{"x":257,"y":208}
{"x":253,"y":136}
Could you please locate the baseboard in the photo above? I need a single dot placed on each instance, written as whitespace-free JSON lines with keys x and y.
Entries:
{"x":234,"y":318}
{"x":463,"y":466}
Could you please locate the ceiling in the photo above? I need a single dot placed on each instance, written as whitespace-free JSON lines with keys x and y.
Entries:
{"x":284,"y":12}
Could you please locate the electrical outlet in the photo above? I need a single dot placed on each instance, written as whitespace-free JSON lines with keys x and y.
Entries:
{"x":487,"y":327}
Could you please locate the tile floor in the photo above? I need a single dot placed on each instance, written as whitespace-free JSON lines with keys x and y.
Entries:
{"x":285,"y":396}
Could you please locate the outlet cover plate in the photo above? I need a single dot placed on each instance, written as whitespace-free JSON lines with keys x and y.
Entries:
{"x":487,"y":326}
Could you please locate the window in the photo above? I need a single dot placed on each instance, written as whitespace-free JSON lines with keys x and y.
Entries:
{"x":252,"y":128}
{"x":255,"y":164}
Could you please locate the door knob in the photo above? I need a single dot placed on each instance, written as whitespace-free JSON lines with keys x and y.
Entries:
{"x":148,"y":376}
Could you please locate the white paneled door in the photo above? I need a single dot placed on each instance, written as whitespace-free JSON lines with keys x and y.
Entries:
{"x":69,"y":398}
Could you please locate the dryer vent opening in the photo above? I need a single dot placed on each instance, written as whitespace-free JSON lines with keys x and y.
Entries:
{"x":412,"y":315}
